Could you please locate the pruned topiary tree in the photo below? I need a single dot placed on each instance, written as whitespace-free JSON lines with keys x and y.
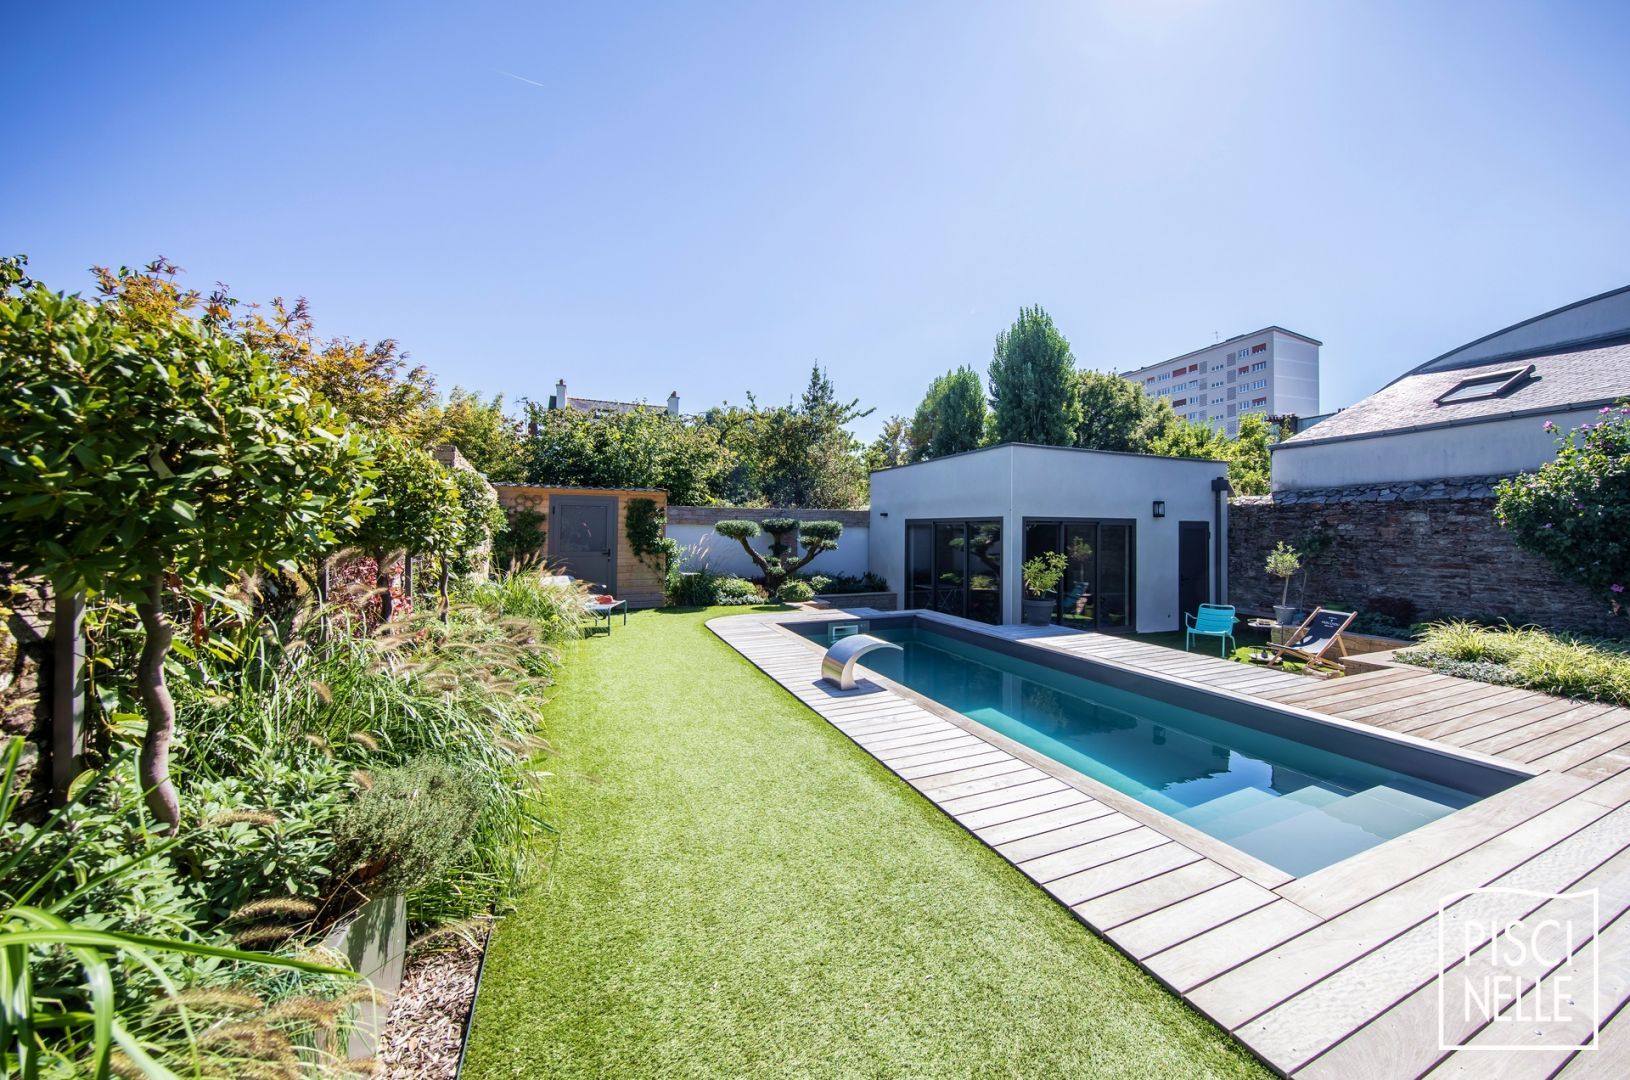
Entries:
{"x":814,"y":536}
{"x":141,"y":448}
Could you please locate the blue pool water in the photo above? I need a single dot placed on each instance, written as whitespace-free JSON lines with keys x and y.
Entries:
{"x":1292,"y":805}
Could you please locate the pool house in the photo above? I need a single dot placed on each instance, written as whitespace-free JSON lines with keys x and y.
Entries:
{"x":1144,"y":537}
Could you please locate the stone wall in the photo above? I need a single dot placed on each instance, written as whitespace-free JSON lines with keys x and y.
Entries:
{"x":25,"y":688}
{"x":1434,"y":543}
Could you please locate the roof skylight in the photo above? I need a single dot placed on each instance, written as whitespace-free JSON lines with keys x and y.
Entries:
{"x":1495,"y":384}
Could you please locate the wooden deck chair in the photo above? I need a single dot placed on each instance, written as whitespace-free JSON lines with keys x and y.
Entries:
{"x":1315,"y":637}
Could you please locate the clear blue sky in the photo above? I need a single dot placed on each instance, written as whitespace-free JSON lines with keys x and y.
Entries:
{"x":708,"y":197}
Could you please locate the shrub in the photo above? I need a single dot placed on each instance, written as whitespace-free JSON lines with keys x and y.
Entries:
{"x":1529,"y":657}
{"x":1574,"y":512}
{"x":736,"y":592}
{"x":841,"y":584}
{"x":410,"y":823}
{"x":795,"y":592}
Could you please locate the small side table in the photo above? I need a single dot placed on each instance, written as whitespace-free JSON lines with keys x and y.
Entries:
{"x":603,"y":612}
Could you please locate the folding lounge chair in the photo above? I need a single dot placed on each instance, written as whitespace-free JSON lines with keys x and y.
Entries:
{"x":1315,"y":637}
{"x":1212,"y":620}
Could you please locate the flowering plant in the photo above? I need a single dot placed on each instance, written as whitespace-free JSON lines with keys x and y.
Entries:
{"x":1574,"y":511}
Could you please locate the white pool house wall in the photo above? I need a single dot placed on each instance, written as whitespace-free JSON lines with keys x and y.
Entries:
{"x":1018,"y":481}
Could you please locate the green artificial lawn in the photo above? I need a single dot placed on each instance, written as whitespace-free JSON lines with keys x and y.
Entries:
{"x":740,"y":891}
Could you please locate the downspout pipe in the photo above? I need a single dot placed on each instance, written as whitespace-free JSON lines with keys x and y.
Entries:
{"x":1220,"y":488}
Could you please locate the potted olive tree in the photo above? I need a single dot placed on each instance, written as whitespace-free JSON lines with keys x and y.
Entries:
{"x":1283,"y":563}
{"x":1041,"y":577}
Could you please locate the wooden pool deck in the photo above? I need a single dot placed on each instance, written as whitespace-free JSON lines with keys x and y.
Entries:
{"x":1334,"y":974}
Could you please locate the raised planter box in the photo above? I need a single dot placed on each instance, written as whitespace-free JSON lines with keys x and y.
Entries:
{"x":375,"y":944}
{"x":882,"y":601}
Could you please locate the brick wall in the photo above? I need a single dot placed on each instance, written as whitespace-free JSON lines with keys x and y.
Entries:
{"x":1435,"y":543}
{"x":638,"y":581}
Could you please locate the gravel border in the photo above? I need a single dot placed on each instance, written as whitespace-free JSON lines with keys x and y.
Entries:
{"x":424,"y":1034}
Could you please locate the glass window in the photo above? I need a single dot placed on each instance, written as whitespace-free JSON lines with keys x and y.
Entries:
{"x":920,"y":565}
{"x":985,"y":571}
{"x":1114,"y":575}
{"x":950,"y":566}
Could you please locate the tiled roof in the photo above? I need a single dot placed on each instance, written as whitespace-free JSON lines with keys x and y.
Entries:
{"x":1559,"y":380}
{"x":602,"y":405}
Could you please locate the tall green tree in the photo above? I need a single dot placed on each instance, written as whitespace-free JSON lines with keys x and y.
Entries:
{"x":143,"y":450}
{"x":642,"y":448}
{"x":1167,"y":434}
{"x":487,"y":436}
{"x":951,"y":417}
{"x":892,"y":446}
{"x":1033,"y":383}
{"x":1112,"y":411}
{"x":808,"y":457}
{"x":1249,"y":468}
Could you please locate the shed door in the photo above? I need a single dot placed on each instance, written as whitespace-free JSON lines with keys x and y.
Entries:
{"x":1193,"y":565}
{"x":583,"y":538}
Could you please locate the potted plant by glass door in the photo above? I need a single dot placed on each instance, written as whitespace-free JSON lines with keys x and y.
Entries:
{"x":1041,"y":577}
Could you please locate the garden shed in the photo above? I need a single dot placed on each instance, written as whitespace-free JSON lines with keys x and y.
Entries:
{"x":1145,"y":537}
{"x":587,"y":535}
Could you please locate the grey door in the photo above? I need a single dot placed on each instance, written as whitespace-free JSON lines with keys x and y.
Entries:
{"x":583,"y":538}
{"x":1193,"y":565}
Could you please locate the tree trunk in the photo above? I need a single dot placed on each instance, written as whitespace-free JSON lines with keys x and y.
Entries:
{"x":382,"y":581}
{"x":763,"y":566}
{"x":153,"y":766}
{"x":444,"y":604}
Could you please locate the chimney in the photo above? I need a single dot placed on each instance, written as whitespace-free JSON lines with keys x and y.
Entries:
{"x":559,"y":401}
{"x":673,"y":403}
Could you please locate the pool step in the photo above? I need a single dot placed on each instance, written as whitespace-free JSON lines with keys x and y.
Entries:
{"x":1387,"y":812}
{"x":1313,"y":826}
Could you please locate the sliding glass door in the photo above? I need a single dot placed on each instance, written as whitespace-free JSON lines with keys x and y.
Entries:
{"x":1096,"y":593}
{"x":955,"y":567}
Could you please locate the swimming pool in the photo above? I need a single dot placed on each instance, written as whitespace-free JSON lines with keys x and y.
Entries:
{"x":1285,"y":788}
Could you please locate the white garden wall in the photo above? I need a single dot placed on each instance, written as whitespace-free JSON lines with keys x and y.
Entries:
{"x":692,"y":527}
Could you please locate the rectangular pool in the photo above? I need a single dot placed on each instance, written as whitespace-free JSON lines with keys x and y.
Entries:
{"x":1292,"y":791}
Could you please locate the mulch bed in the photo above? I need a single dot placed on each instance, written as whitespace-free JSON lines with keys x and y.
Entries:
{"x":425,"y":1030}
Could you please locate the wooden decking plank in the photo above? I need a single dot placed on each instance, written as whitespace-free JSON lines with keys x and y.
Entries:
{"x":1065,"y":837}
{"x":1378,"y":699}
{"x":1151,"y":895}
{"x":1212,"y":952}
{"x":1255,"y":987}
{"x":1407,"y":711}
{"x":1602,"y":766}
{"x":1056,"y":799}
{"x":1598,"y":717}
{"x":994,"y":788}
{"x":987,"y":799}
{"x":924,"y":734}
{"x":1582,"y":751}
{"x":1046,"y":868}
{"x":1441,"y":727}
{"x":1189,"y":918}
{"x":996,"y":763}
{"x":1488,"y":696}
{"x":1351,"y":882}
{"x":1403,"y":1040}
{"x":1111,"y":877}
{"x":1045,"y":821}
{"x":1345,"y":684}
{"x":1509,"y":723}
{"x":954,"y":747}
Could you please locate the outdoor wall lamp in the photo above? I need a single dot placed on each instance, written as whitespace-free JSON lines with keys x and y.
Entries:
{"x":1160,"y":508}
